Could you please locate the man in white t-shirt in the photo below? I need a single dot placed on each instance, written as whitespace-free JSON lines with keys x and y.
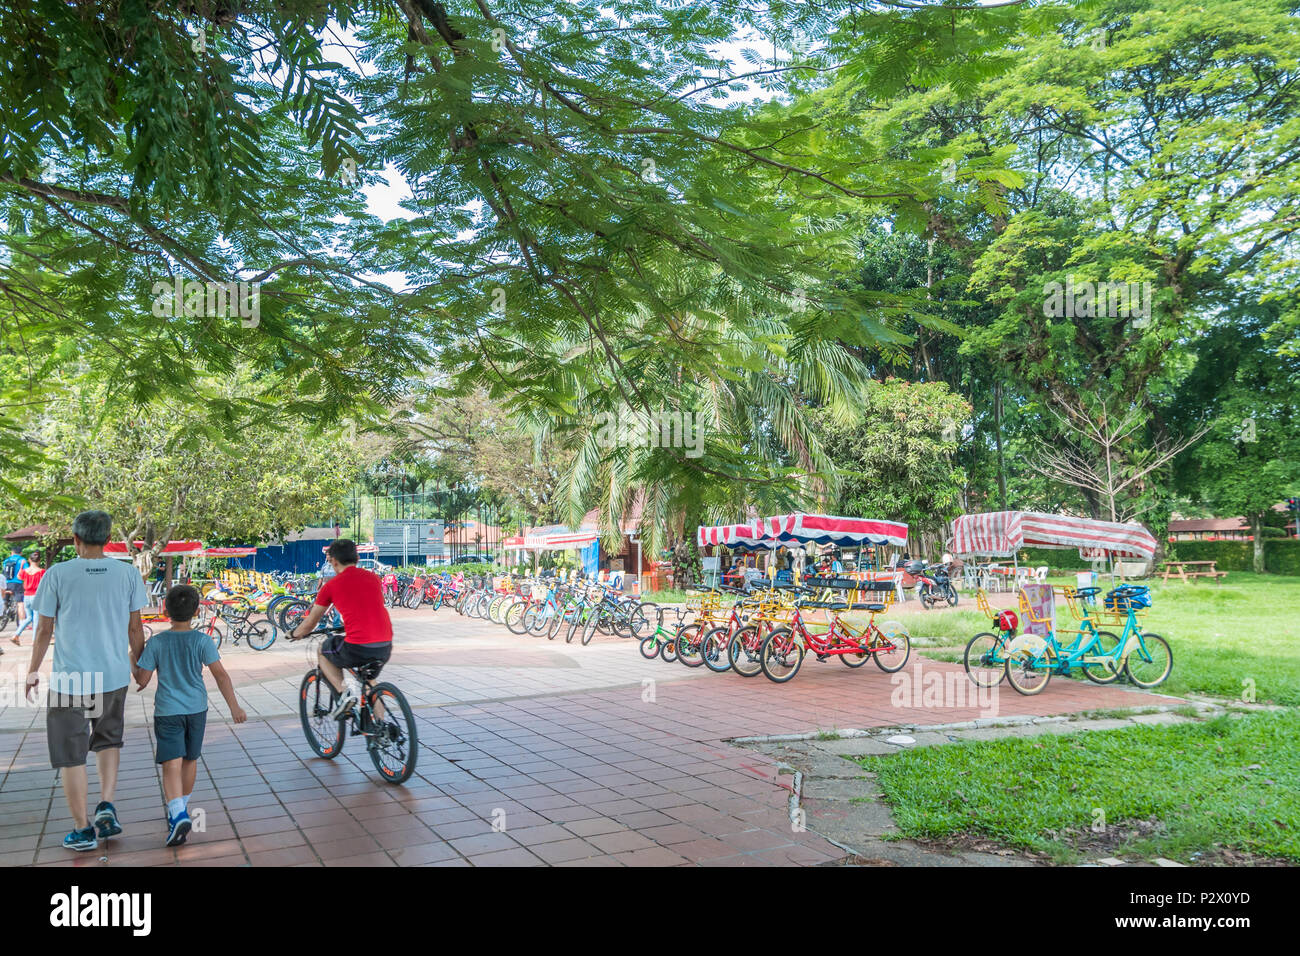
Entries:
{"x":92,"y":605}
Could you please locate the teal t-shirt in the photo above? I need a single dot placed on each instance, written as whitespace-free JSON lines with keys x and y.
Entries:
{"x":179,"y":658}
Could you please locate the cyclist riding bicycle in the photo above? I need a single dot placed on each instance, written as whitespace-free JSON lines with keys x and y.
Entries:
{"x":368,"y":631}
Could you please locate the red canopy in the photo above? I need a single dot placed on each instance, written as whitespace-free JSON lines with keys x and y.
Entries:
{"x":229,"y":552}
{"x":361,"y":549}
{"x":174,"y":549}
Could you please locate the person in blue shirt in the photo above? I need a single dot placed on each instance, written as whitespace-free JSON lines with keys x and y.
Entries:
{"x":12,"y":570}
{"x":180,"y":706}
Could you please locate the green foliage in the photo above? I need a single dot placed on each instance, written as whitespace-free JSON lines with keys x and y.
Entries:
{"x":163,"y":476}
{"x":896,"y":459}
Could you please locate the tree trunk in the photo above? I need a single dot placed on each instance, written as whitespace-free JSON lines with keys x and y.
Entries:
{"x":997,"y":438}
{"x":1257,"y":530}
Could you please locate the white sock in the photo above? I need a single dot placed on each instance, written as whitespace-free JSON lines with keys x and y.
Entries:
{"x":186,"y":798}
{"x":175,"y":807}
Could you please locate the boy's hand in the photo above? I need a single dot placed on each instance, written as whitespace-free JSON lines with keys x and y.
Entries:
{"x":237,"y":714}
{"x":142,"y":678}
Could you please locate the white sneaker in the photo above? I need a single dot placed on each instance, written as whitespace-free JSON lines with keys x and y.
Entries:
{"x":347,"y":700}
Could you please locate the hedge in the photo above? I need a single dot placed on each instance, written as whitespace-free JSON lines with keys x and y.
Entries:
{"x":1281,"y":555}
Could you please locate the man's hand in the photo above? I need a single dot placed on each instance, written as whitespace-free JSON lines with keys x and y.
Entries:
{"x":33,"y":681}
{"x":142,"y":678}
{"x":237,"y":715}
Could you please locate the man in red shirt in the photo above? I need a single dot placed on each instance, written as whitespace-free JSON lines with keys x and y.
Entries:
{"x":368,"y":630}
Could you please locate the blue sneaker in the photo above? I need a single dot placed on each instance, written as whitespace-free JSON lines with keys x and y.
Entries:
{"x":81,"y":839}
{"x":178,"y":829}
{"x":106,"y":820}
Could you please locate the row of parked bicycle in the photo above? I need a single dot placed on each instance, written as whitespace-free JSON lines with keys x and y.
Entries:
{"x":766,"y":630}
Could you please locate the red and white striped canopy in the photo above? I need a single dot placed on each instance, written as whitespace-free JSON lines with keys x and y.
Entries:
{"x":229,"y":552}
{"x":801,"y":528}
{"x":361,"y":549}
{"x":1002,"y":533}
{"x":730,"y":535}
{"x":173,"y":549}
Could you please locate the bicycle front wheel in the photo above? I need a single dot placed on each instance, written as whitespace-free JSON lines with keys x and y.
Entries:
{"x":316,"y":698}
{"x":781,"y":656}
{"x":689,"y":645}
{"x":393,"y":742}
{"x":744,"y":652}
{"x":1150,"y":662}
{"x":985,"y":660}
{"x":261,"y":635}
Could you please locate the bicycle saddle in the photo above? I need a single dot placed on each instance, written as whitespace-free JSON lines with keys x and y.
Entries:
{"x":867,"y":607}
{"x":368,"y":671}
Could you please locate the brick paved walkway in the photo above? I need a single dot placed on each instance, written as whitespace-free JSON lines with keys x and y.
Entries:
{"x":532,"y":753}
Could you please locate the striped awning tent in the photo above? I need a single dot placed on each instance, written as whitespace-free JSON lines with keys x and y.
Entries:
{"x":734,"y":536}
{"x":1003,"y":533}
{"x":801,"y":528}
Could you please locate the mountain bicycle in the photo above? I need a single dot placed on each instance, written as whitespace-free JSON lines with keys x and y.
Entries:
{"x":383,"y":717}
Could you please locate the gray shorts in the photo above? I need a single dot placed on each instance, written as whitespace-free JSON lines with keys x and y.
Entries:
{"x":76,"y":726}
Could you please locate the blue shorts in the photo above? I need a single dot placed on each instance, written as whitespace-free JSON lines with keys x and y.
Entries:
{"x":179,"y":735}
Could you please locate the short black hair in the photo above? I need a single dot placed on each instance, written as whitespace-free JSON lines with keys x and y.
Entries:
{"x":343,"y":550}
{"x":182,"y":602}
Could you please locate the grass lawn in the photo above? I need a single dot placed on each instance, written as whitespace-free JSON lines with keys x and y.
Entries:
{"x":1230,"y":639}
{"x":1231,"y":783}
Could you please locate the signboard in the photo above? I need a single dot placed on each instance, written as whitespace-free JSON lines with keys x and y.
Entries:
{"x":409,"y":536}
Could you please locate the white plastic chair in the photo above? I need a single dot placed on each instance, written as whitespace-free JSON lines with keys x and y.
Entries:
{"x":898,"y":587}
{"x":1040,"y":574}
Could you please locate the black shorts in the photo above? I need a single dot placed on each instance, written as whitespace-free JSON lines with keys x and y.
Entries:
{"x":17,"y":589}
{"x":179,"y":735}
{"x":342,"y":654}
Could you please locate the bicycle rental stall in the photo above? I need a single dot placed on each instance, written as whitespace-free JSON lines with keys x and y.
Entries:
{"x":1027,"y":647}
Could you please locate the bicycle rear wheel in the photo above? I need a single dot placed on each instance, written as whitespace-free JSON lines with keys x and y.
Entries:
{"x":1105,"y":671}
{"x":316,"y":698}
{"x":394,"y":743}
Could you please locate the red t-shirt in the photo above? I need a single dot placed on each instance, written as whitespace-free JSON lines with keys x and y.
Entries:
{"x":31,"y":579}
{"x":359,"y":597}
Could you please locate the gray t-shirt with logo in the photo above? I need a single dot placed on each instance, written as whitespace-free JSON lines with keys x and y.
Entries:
{"x":91,"y":600}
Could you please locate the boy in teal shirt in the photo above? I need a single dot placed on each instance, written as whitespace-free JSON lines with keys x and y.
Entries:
{"x":180,"y":709}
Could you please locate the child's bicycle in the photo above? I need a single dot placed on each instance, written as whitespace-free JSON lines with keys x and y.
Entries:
{"x":234,"y":621}
{"x":663,"y":643}
{"x":383,"y":718}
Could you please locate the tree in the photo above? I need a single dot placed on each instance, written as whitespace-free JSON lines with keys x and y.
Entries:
{"x":896,"y":461}
{"x":1128,"y":172}
{"x":165,"y":477}
{"x":1249,"y":396}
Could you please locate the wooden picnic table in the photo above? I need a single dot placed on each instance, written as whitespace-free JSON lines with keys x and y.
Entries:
{"x":1191,"y":570}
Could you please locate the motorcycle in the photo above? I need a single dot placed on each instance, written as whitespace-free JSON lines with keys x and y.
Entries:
{"x":933,"y":584}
